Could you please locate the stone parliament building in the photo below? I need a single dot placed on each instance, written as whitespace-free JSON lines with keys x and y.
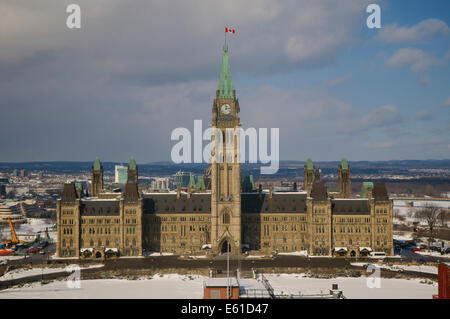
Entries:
{"x":230,"y":216}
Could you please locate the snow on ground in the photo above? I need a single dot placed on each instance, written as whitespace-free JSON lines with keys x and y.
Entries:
{"x":419,"y":268}
{"x":23,"y":272}
{"x":296,"y":253}
{"x":180,"y":287}
{"x":354,"y":288}
{"x":403,"y":235}
{"x":166,"y":287}
{"x":34,"y":225}
{"x":155,"y":253}
{"x":432,"y":253}
{"x":10,"y":257}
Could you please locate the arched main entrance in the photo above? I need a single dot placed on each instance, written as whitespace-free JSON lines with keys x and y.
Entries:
{"x":98,"y":254}
{"x":352,"y":253}
{"x":225,"y":247}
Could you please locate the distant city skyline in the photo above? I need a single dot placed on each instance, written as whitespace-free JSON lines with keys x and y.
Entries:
{"x":118,"y":86}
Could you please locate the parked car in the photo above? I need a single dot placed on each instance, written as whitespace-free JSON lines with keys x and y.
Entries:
{"x":33,"y":250}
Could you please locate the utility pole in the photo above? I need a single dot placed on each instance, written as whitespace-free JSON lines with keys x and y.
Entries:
{"x":228,"y":271}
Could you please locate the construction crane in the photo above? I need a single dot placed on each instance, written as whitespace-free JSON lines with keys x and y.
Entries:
{"x":13,"y":233}
{"x":14,"y":239}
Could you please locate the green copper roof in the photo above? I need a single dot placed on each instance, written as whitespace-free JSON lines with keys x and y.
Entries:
{"x":344,"y":163}
{"x":192,"y":181}
{"x":225,"y":85}
{"x":252,"y":182}
{"x":309,"y":163}
{"x":97,"y":165}
{"x":132,"y":165}
{"x":200,"y":183}
{"x":365,"y":186}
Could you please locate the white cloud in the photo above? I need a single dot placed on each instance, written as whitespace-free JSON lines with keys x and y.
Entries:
{"x":447,"y":102}
{"x":424,"y":115}
{"x":378,"y":145}
{"x":423,"y":30}
{"x":416,"y":60}
{"x":381,"y":116}
{"x":171,"y":39}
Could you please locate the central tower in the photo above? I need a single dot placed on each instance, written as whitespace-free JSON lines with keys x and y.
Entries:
{"x":225,"y":166}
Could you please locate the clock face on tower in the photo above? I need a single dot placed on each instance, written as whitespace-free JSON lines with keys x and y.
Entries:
{"x":225,"y":109}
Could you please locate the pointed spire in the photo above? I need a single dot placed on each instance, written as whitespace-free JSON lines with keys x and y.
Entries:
{"x":97,"y":166}
{"x":192,"y":181}
{"x":225,"y":84}
{"x":132,"y":165}
{"x":344,"y":163}
{"x":200,"y":183}
{"x":309,"y":163}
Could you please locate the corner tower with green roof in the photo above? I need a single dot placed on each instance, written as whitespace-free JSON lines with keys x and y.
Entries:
{"x":310,"y":175}
{"x":132,"y":172}
{"x":96,"y":178}
{"x":344,"y":179}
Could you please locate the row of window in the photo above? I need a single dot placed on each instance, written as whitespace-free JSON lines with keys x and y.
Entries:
{"x":67,"y":221}
{"x":351,"y":229}
{"x":350,"y":220}
{"x":100,"y":221}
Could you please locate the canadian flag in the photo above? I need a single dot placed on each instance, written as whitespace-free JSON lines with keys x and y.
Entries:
{"x":228,"y":30}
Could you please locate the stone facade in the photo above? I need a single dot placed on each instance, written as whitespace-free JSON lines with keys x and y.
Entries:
{"x":225,"y":218}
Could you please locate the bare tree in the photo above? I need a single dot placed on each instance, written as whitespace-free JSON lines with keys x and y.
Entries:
{"x":443,"y":218}
{"x":429,"y":214}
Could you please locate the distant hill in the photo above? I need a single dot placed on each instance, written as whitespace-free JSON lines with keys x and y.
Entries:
{"x":287,"y":168}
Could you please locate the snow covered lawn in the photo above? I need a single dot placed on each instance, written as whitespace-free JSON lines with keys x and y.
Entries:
{"x":21,"y":272}
{"x":419,"y":268}
{"x":354,"y":288}
{"x":165,"y":287}
{"x":175,"y":286}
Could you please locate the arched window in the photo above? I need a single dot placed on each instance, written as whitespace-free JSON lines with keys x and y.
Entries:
{"x":226,"y":218}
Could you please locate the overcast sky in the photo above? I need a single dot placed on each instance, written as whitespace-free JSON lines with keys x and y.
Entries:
{"x":136,"y":70}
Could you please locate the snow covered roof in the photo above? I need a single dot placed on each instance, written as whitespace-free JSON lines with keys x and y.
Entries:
{"x":221,"y":282}
{"x":340,"y":248}
{"x":365,"y":248}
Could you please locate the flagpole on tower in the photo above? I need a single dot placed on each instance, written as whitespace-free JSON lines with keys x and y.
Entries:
{"x":225,"y":45}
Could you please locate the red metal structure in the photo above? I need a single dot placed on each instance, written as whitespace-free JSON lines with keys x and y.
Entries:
{"x":443,"y":282}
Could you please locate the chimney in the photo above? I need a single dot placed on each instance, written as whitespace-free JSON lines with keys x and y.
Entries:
{"x":270,"y":190}
{"x":178,"y":191}
{"x":189,"y":190}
